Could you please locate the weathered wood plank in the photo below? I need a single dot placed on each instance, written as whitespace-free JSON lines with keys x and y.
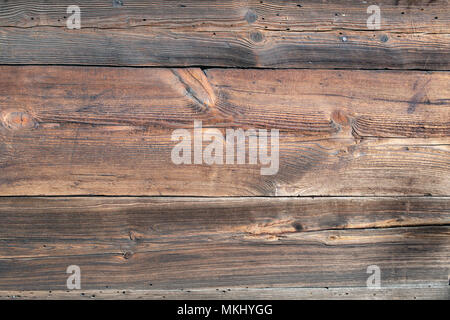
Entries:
{"x":173,"y":243}
{"x":391,"y":293}
{"x":372,"y":103}
{"x":314,"y":103}
{"x":110,"y":217}
{"x":106,"y":131}
{"x":332,"y":34}
{"x":85,"y":160}
{"x":401,"y":16}
{"x":339,"y":258}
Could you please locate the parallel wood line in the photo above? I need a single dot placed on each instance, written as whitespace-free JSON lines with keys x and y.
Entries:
{"x":309,"y":15}
{"x":172,"y":243}
{"x":391,"y":293}
{"x":339,"y":258}
{"x":274,"y":34}
{"x":386,"y":104}
{"x":59,"y":218}
{"x":107,"y":131}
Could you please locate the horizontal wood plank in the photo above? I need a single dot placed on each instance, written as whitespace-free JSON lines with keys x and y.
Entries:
{"x":310,"y":15}
{"x":319,"y":259}
{"x":393,"y":293}
{"x":274,"y":34}
{"x":321,"y":103}
{"x":107,"y":217}
{"x":173,"y":243}
{"x":106,"y":131}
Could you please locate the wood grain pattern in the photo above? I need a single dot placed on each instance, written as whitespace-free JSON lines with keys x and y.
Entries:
{"x":427,"y":292}
{"x":322,"y":103}
{"x":104,"y":217}
{"x":106,"y":131}
{"x":411,"y":255}
{"x":172,"y":243}
{"x":319,"y":259}
{"x":280,"y":34}
{"x":86,"y":122}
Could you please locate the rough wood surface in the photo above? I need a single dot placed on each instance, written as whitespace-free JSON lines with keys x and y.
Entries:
{"x":427,"y":292}
{"x":280,"y":34}
{"x":364,"y":155}
{"x":170,"y":244}
{"x":107,"y":131}
{"x":33,"y":217}
{"x":340,"y":258}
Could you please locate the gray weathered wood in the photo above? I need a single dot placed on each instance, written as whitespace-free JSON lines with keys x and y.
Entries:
{"x":275,"y":34}
{"x":169,"y":244}
{"x":394,"y":293}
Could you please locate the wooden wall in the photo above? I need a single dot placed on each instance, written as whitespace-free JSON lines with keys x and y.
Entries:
{"x":86,"y":123}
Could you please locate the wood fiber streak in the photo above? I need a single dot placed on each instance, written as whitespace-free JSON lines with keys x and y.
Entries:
{"x":320,"y":259}
{"x":395,"y":293}
{"x":172,"y":243}
{"x":64,"y":218}
{"x":107,"y":131}
{"x":87,"y":178}
{"x":274,"y":34}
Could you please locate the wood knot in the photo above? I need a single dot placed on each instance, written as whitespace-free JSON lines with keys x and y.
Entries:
{"x":251,"y":16}
{"x":117,"y":3}
{"x":297,"y":226}
{"x":196,"y":86}
{"x":127,"y":255}
{"x":339,"y":117}
{"x":256,"y":36}
{"x":17,"y":120}
{"x":132,"y":235}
